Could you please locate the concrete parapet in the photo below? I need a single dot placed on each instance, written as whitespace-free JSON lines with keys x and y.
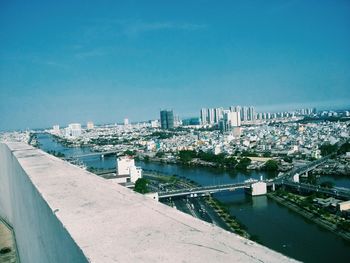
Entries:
{"x":61,"y":213}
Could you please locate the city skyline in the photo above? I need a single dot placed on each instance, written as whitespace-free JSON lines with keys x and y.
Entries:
{"x":74,"y":62}
{"x":255,"y":115}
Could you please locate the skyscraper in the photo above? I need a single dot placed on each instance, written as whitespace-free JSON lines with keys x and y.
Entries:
{"x":230,"y":119}
{"x":218,"y":114}
{"x":204,"y":116}
{"x":251,"y":113}
{"x":236,"y":119}
{"x":211,"y":119}
{"x":167,"y":119}
{"x":244,"y":113}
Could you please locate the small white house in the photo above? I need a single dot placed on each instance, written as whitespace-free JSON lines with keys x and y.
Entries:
{"x":126,"y":170}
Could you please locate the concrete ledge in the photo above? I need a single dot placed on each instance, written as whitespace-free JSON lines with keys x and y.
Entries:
{"x":61,"y":213}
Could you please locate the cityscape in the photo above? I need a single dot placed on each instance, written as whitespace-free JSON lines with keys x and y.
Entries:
{"x":175,"y":132}
{"x":288,"y":156}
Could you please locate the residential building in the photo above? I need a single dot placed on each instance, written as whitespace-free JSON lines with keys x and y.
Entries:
{"x":90,"y":125}
{"x":126,"y":170}
{"x":167,"y":119}
{"x":204,"y":116}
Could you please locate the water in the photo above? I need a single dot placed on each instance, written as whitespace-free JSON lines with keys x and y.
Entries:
{"x":337,"y":180}
{"x":273,"y":225}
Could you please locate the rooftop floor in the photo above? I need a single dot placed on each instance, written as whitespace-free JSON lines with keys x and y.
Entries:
{"x":111,"y":223}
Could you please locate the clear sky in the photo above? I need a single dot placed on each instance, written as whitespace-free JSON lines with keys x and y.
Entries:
{"x":74,"y":61}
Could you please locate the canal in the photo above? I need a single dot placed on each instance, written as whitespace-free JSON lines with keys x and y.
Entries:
{"x":273,"y":225}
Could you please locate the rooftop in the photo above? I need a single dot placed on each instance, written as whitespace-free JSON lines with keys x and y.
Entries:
{"x":110,"y":223}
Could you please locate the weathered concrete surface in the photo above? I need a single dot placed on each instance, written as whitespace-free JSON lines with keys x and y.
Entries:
{"x":62,"y":213}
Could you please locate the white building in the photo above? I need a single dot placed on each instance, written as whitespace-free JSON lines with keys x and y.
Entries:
{"x":211,"y":116}
{"x":218,"y":114}
{"x":231,"y":119}
{"x":56,"y":129}
{"x":126,"y":121}
{"x":126,"y":170}
{"x":90,"y":125}
{"x":75,"y":129}
{"x":204,"y":116}
{"x":344,"y":206}
{"x":155,"y":124}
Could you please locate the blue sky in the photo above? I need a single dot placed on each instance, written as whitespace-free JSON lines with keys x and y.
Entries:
{"x":74,"y":61}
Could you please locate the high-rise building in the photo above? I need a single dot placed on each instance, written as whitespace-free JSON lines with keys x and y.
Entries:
{"x":73,"y":130}
{"x":218,"y":114}
{"x":126,"y":121}
{"x":230,"y":119}
{"x":244,"y":113}
{"x":90,"y":125}
{"x":163,"y":119}
{"x":167,"y":119}
{"x":235,"y":119}
{"x":251,"y":113}
{"x":177,"y":121}
{"x":211,"y":116}
{"x":170,"y":119}
{"x":235,"y":108}
{"x":204,"y":116}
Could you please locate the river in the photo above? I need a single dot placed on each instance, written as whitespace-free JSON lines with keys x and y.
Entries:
{"x":273,"y":225}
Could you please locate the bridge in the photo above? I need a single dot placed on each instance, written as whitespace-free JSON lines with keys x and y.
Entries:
{"x":309,"y":167}
{"x":342,"y":193}
{"x":90,"y":154}
{"x":304,"y":169}
{"x":205,"y":190}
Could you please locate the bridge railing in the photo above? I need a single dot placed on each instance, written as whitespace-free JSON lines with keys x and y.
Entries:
{"x":204,"y":189}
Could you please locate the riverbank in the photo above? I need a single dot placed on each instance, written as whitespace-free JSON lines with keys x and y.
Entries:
{"x":315,"y":218}
{"x":227,"y":221}
{"x":264,"y":218}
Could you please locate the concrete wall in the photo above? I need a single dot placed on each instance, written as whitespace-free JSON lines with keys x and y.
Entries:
{"x":40,"y":236}
{"x":61,"y":213}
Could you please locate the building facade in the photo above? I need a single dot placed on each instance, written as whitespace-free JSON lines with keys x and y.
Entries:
{"x":167,"y":119}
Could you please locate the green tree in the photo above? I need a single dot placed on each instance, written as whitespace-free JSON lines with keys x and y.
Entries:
{"x":312,"y":179}
{"x":327,"y":149}
{"x":267,"y":154}
{"x":231,"y":161}
{"x":271,"y":165}
{"x":344,"y":225}
{"x":186,"y":155}
{"x":141,"y":186}
{"x":243,"y":164}
{"x":128,"y":152}
{"x":344,"y":148}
